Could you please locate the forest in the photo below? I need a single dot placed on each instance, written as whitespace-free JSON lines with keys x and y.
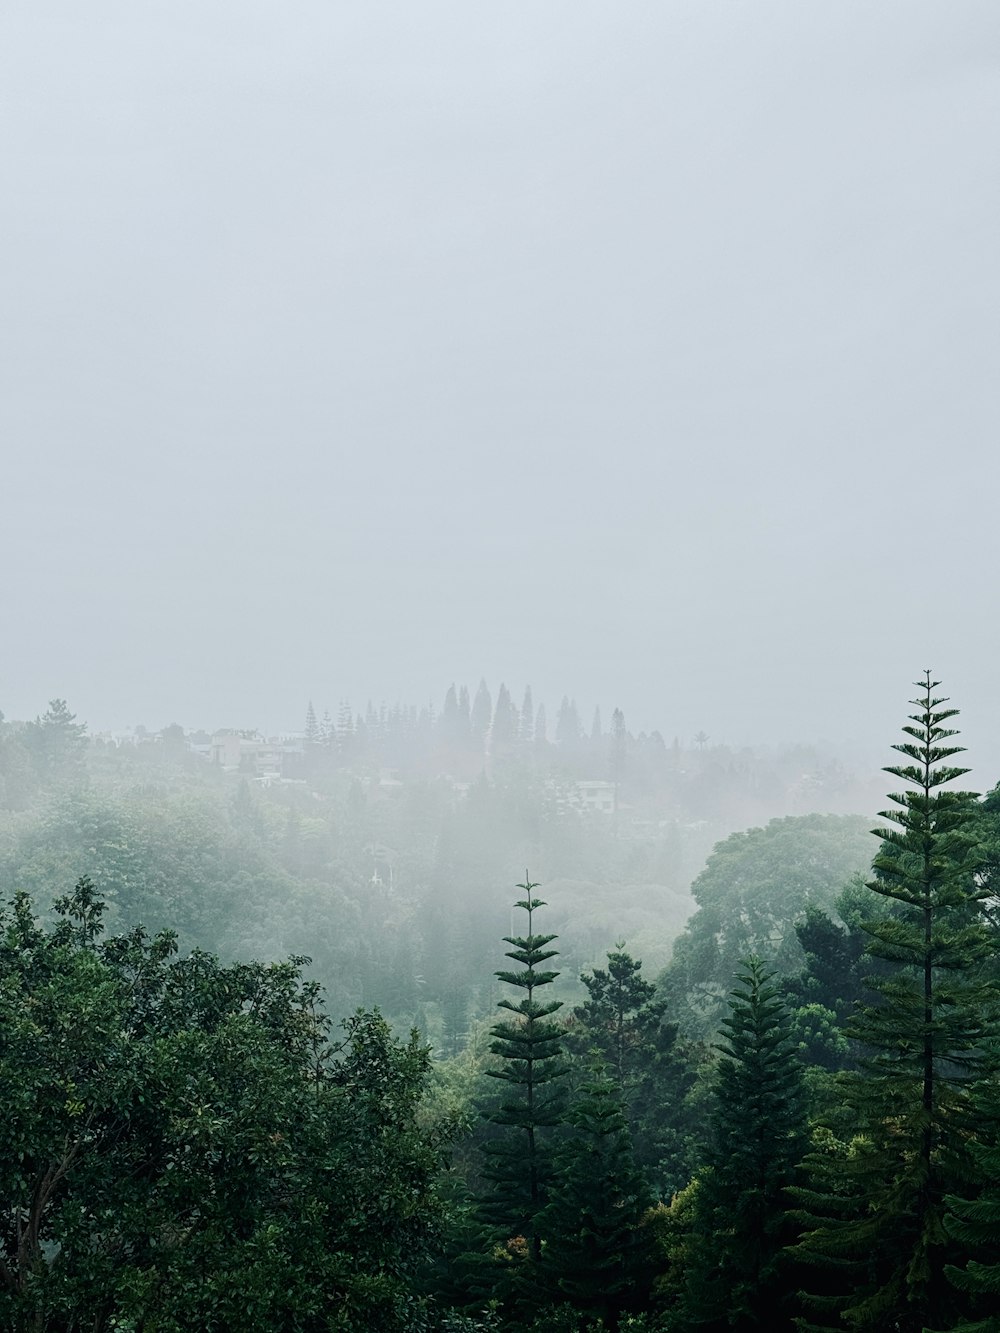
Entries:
{"x":444,"y":1025}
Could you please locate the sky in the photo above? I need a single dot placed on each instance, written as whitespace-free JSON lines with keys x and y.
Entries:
{"x":643,"y":353}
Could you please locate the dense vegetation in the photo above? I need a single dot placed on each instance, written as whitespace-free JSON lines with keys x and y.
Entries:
{"x":384,"y":849}
{"x":796,"y":1126}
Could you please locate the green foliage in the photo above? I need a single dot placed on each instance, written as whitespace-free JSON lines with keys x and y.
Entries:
{"x":754,"y":888}
{"x":672,"y":1232}
{"x":181,"y":1146}
{"x":876,"y":1214}
{"x":529,"y":1046}
{"x":974,"y":1223}
{"x":56,"y":743}
{"x":597,"y":1254}
{"x":623,"y":1021}
{"x":620,"y":1016}
{"x":817,"y":1037}
{"x":757,"y":1137}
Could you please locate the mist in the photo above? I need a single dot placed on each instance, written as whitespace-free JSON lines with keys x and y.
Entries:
{"x":480,"y":488}
{"x":646,"y":357}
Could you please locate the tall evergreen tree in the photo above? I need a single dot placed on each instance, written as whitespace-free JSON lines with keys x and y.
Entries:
{"x":464,"y":718}
{"x":595,"y":728}
{"x":597,"y":1255}
{"x":876,"y":1210}
{"x":527,"y":718}
{"x":568,"y":725}
{"x":624,"y":1021}
{"x":529,"y":1046}
{"x":327,"y":731}
{"x":312,"y":726}
{"x":345,"y":725}
{"x":541,"y":728}
{"x":503,"y":733}
{"x":619,"y":745}
{"x":620,"y":1015}
{"x":450,"y":729}
{"x":482,"y":713}
{"x":449,"y":713}
{"x":757,"y":1136}
{"x":974,"y":1224}
{"x":55,"y":741}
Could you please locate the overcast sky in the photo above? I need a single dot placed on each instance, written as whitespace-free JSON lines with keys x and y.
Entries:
{"x":644,"y":352}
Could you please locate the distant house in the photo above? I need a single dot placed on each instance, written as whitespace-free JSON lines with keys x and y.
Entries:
{"x":595,"y":795}
{"x":274,"y":760}
{"x":225,"y":750}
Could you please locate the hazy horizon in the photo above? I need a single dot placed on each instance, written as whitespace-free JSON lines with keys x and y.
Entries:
{"x":644,"y":355}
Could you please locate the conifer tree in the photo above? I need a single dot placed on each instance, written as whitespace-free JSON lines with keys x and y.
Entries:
{"x":620,"y":1015}
{"x":875,"y":1210}
{"x":597,"y":1255}
{"x":974,"y":1223}
{"x":312,"y":726}
{"x":528,"y":1044}
{"x":595,"y":728}
{"x":527,"y":718}
{"x":464,"y":716}
{"x":449,"y":713}
{"x":541,"y":728}
{"x":345,"y":725}
{"x":619,"y":744}
{"x":503,"y":733}
{"x":55,"y":741}
{"x":757,"y":1136}
{"x":327,"y":731}
{"x":568,"y":725}
{"x":482,"y":713}
{"x":624,"y":1021}
{"x":450,"y":729}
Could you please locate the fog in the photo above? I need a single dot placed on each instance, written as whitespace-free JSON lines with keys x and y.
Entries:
{"x":645,"y":355}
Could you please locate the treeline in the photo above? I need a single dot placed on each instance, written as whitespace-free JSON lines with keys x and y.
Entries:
{"x":474,"y":735}
{"x":694,"y":779}
{"x":397,"y":890}
{"x":845,"y":1168}
{"x":470,"y":731}
{"x":189,"y":1144}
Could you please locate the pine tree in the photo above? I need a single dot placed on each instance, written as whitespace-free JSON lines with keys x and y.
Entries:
{"x":529,"y":1047}
{"x":345,"y":726}
{"x":619,"y":745}
{"x":974,"y":1223}
{"x":620,"y":1015}
{"x":55,"y":741}
{"x":327,"y":731}
{"x":503,"y":733}
{"x":526,"y":733}
{"x":449,"y":713}
{"x":568,"y":725}
{"x":482,"y":713}
{"x":757,"y":1136}
{"x":597,"y":1254}
{"x":596,"y":733}
{"x":464,"y":718}
{"x":312,"y":726}
{"x":876,"y":1206}
{"x":541,"y":728}
{"x":623,"y":1021}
